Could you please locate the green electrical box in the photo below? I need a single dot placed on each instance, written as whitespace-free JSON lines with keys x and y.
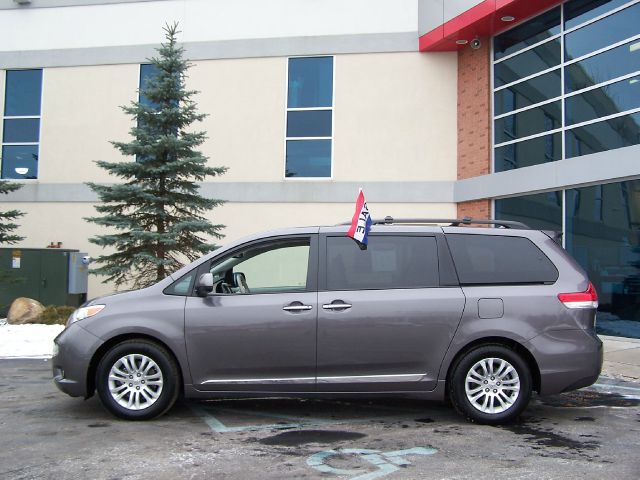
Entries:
{"x":53,"y":276}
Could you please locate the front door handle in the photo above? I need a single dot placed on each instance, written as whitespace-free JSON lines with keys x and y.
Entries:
{"x":336,"y":306}
{"x":297,"y":308}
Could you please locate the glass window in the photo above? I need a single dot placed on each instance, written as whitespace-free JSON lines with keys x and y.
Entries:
{"x":493,"y":259}
{"x":308,"y":158}
{"x":580,"y":11}
{"x":535,"y":151}
{"x":529,"y":122}
{"x":310,"y":82}
{"x":596,"y":137}
{"x":606,"y":31}
{"x":542,"y":211}
{"x":183,"y":286}
{"x":21,"y":130}
{"x":310,"y":88}
{"x":20,"y":161}
{"x":21,"y":124}
{"x":602,"y":67}
{"x":23,"y":93}
{"x":603,"y":235}
{"x":527,"y":63}
{"x":601,"y":102}
{"x":388,"y":262}
{"x":309,"y":123}
{"x":523,"y":94}
{"x":147,"y":72}
{"x":271,"y":268}
{"x":531,"y":32}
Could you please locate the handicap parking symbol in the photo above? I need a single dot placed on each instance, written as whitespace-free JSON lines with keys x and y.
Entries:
{"x":384,"y":462}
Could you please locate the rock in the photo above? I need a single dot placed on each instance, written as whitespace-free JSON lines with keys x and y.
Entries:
{"x":24,"y":310}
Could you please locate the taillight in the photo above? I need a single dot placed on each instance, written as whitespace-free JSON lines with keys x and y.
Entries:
{"x":586,"y":299}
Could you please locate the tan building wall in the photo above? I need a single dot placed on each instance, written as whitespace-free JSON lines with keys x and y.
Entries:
{"x":393,"y":117}
{"x":80,"y":115}
{"x":63,"y":222}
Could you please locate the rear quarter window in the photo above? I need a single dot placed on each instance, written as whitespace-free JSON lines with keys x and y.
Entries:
{"x":494,"y":259}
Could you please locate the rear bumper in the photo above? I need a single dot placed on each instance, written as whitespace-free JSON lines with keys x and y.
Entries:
{"x":73,"y":351}
{"x":567,"y":359}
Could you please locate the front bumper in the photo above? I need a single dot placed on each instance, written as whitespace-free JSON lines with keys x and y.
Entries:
{"x":73,"y":350}
{"x":567,"y":359}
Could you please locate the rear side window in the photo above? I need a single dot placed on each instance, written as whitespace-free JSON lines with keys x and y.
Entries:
{"x":389,"y":262}
{"x":492,"y":259}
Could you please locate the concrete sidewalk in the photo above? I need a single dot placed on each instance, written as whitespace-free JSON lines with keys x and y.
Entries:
{"x":621,"y":358}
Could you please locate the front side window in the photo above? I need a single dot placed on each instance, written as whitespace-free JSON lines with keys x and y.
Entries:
{"x":21,"y":124}
{"x":269,"y":268}
{"x":309,"y":128}
{"x":389,"y":262}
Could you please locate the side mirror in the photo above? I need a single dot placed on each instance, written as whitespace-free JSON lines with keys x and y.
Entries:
{"x":204,"y":286}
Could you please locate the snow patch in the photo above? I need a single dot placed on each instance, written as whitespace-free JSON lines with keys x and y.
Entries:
{"x":27,"y":341}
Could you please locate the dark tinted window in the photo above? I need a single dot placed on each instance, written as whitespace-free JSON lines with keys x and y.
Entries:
{"x":542,"y":211}
{"x":23,"y":93}
{"x":20,"y":161}
{"x":604,"y":32}
{"x":579,"y":11}
{"x":529,"y":152}
{"x":596,"y":137}
{"x":529,"y":122}
{"x":389,"y":262}
{"x":309,"y":123}
{"x":308,"y":158}
{"x":523,"y":94}
{"x":493,"y":259}
{"x":534,"y":31}
{"x":310,"y":82}
{"x":601,"y":102}
{"x":602,"y":67}
{"x":527,"y":63}
{"x":18,"y":130}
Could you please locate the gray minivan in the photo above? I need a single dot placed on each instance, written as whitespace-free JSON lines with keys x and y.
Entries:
{"x":483,"y":316}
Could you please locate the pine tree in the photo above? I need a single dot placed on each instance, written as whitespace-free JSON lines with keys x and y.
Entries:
{"x":7,"y":218}
{"x":7,"y":226}
{"x":157,"y":214}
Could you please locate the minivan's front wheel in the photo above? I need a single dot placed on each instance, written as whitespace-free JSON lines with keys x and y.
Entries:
{"x":491,"y":385}
{"x":137,"y":380}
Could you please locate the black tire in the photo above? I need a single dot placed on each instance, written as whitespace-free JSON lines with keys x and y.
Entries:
{"x":508,"y":403}
{"x":161,"y":371}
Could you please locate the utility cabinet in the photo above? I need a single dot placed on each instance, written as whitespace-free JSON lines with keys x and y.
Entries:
{"x":53,"y":276}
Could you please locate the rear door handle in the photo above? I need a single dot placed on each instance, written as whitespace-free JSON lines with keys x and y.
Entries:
{"x":297,"y":308}
{"x":336,"y":306}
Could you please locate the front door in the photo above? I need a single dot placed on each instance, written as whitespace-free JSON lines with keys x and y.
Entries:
{"x":384,"y":322}
{"x":257,"y":331}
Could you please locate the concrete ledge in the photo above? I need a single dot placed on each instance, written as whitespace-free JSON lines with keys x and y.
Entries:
{"x":273,"y":192}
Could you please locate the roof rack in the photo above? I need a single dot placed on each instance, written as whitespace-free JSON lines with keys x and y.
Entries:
{"x":455,"y":222}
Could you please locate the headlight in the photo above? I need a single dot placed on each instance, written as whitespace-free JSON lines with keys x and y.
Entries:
{"x":84,"y":312}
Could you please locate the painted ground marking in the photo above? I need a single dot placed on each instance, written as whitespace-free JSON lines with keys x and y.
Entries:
{"x":385,"y":462}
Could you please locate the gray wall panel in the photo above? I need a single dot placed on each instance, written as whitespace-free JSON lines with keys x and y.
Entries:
{"x":273,"y":192}
{"x":252,"y":48}
{"x":619,"y":164}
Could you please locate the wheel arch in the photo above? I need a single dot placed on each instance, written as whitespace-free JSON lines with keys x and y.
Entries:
{"x":501,"y":341}
{"x":106,"y":346}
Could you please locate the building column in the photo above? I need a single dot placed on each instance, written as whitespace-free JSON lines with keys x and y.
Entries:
{"x":474,"y":122}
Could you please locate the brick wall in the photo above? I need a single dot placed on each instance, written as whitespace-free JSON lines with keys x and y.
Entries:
{"x":474,"y":121}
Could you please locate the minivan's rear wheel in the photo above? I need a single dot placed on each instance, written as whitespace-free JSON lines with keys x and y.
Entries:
{"x":491,"y":384}
{"x":137,"y":380}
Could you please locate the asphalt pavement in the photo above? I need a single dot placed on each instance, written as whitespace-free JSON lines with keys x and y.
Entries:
{"x":591,"y":433}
